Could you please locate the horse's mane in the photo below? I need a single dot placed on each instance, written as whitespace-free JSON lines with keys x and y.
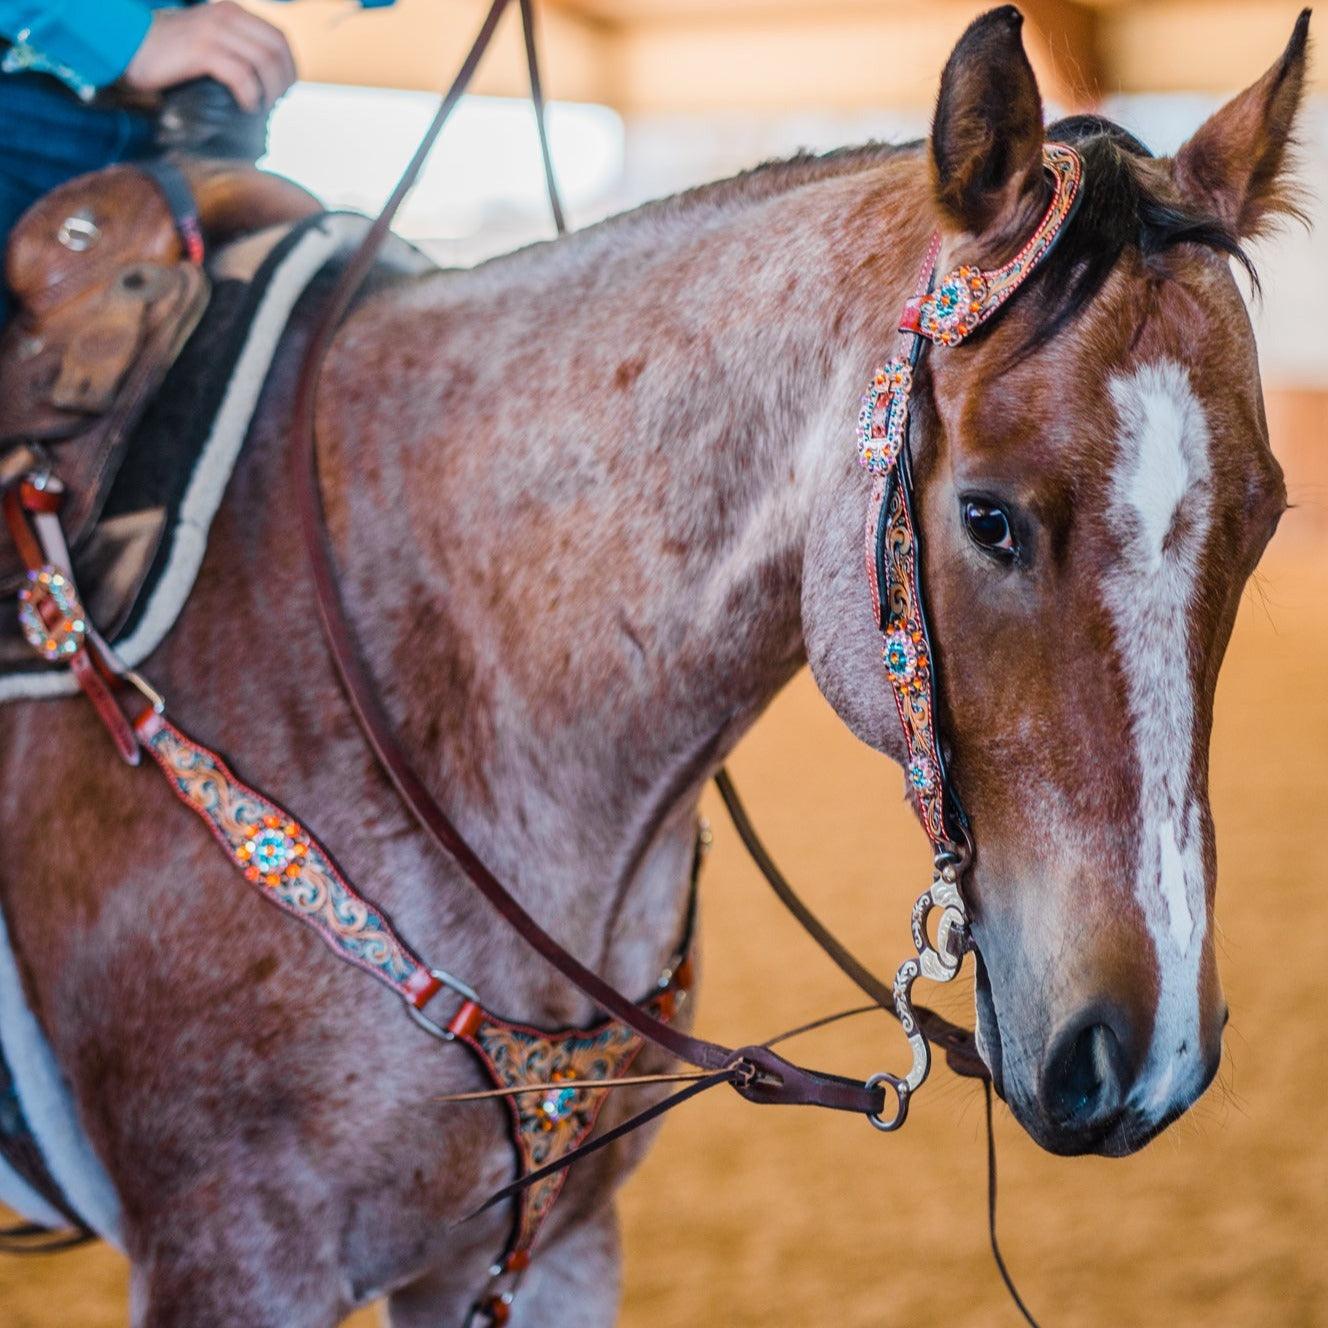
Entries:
{"x":771,"y":178}
{"x":1119,"y":210}
{"x":719,"y":198}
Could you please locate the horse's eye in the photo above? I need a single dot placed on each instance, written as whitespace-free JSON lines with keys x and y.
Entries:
{"x":989,"y":528}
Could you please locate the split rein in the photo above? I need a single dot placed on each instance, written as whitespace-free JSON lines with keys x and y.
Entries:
{"x":964,"y":300}
{"x":943,"y":315}
{"x":755,"y":1072}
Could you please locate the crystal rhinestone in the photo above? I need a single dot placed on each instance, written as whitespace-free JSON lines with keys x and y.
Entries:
{"x":558,"y":1104}
{"x":900,"y":656}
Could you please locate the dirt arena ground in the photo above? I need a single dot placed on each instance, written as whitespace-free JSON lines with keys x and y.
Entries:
{"x":743,"y":1217}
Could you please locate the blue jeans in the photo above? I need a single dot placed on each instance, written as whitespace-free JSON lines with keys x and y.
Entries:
{"x":48,"y":136}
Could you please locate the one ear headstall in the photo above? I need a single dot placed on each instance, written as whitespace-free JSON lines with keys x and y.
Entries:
{"x":944,"y":312}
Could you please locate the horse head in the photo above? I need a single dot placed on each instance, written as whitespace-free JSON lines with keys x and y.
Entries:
{"x":1094,"y":488}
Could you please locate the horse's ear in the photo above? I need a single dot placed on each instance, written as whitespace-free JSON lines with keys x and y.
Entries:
{"x":1235,"y":166}
{"x":986,"y":136}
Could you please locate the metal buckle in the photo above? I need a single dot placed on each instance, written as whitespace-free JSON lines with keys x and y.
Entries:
{"x":150,"y":694}
{"x":43,"y":476}
{"x":429,"y":1025}
{"x":901,"y":1091}
{"x":79,"y":231}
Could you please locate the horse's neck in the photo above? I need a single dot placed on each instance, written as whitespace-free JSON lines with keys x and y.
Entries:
{"x":573,"y":514}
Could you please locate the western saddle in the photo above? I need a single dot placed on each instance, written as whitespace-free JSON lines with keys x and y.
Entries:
{"x":108,"y":279}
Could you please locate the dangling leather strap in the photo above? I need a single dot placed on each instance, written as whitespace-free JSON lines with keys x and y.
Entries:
{"x":541,"y":116}
{"x":961,"y":1052}
{"x":603,"y":1140}
{"x":758,"y":1074}
{"x":52,"y":617}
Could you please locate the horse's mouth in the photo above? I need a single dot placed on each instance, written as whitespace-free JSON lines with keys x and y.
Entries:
{"x":1122,"y":1136}
{"x":988,"y":1029}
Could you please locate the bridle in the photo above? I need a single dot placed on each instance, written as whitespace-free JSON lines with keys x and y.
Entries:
{"x":943,"y":313}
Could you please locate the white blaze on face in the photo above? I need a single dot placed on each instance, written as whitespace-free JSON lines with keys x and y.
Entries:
{"x":1160,"y":510}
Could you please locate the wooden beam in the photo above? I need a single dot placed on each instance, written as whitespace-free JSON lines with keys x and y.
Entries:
{"x":771,"y":56}
{"x":809,"y":58}
{"x":1200,"y":45}
{"x":419,"y":44}
{"x":1068,"y":35}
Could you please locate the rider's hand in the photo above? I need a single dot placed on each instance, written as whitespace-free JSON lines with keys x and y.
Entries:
{"x":221,"y":41}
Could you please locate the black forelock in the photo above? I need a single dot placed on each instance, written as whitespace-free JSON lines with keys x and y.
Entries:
{"x":1116,"y":212}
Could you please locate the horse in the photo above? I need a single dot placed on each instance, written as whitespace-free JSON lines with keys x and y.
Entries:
{"x":594,"y":503}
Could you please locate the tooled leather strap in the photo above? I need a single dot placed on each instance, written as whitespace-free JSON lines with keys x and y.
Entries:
{"x":945,"y":312}
{"x":50,"y":613}
{"x":284,"y":861}
{"x":758,"y":1073}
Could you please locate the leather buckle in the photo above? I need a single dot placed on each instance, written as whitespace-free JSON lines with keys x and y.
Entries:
{"x":434,"y":1029}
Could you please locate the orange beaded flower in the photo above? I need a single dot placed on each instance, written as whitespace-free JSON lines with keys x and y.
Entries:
{"x":272,"y":848}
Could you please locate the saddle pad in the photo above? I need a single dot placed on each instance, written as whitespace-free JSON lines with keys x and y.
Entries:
{"x":140,"y":566}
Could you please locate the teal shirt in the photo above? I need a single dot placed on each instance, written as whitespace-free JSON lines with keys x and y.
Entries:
{"x":85,"y":43}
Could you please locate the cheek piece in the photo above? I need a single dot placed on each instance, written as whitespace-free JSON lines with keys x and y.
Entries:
{"x":943,"y":312}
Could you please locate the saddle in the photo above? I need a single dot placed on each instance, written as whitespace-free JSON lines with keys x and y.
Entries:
{"x":107,"y":273}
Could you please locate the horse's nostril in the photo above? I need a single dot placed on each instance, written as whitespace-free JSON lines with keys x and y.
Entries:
{"x":1082,"y":1085}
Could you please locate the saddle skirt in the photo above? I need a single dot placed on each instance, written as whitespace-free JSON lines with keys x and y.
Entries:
{"x":108,"y":276}
{"x":136,"y":563}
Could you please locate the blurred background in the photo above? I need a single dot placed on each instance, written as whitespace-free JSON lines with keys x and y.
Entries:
{"x":742,"y":1217}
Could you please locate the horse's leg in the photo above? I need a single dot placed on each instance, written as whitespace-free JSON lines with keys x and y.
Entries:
{"x":222,"y":1263}
{"x":575,"y":1278}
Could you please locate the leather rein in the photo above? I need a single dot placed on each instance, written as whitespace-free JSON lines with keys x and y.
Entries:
{"x":756,"y":1072}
